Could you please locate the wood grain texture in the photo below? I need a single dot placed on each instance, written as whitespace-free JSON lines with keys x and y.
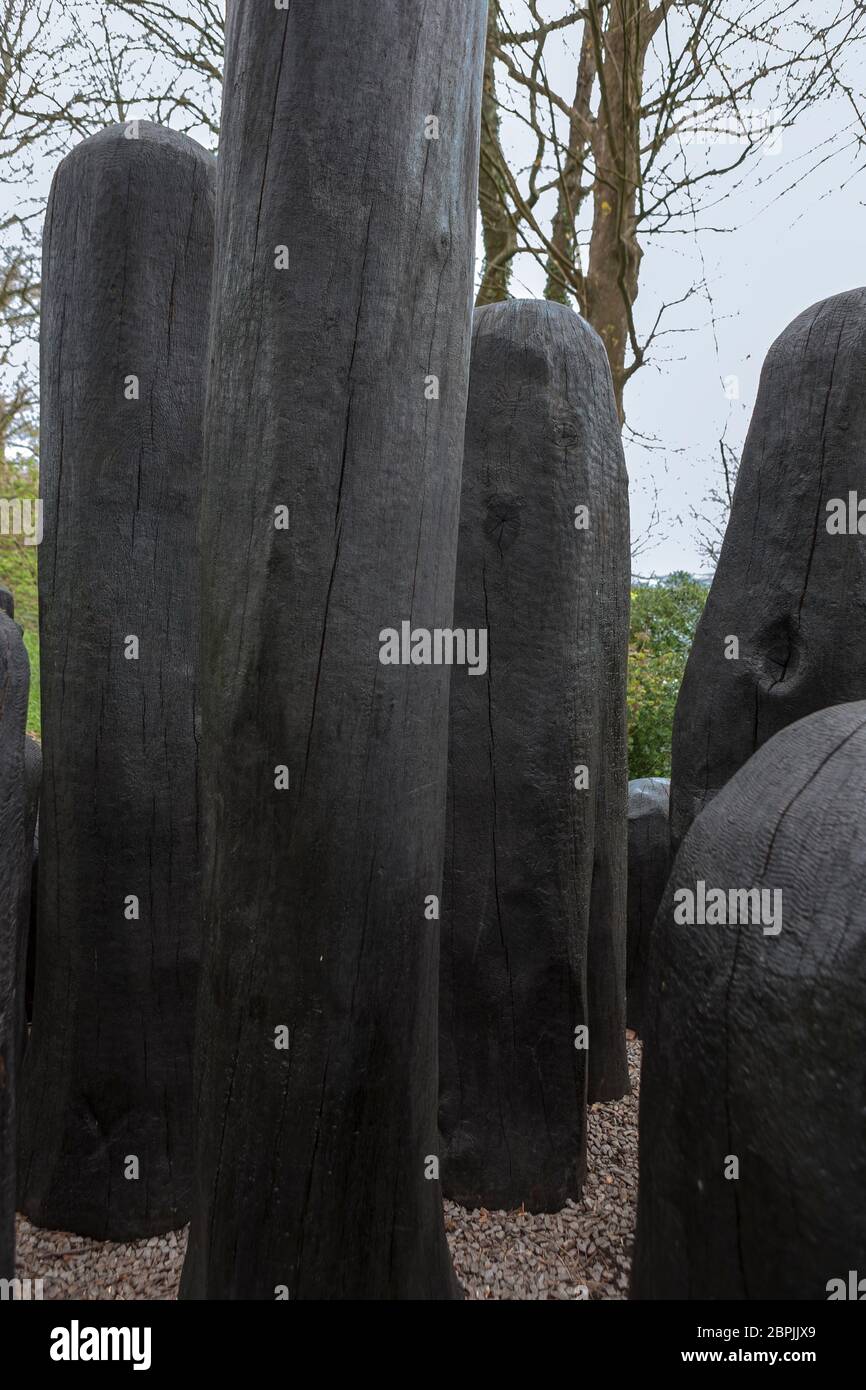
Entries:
{"x":533,"y":942}
{"x":14,"y":869}
{"x":755,"y":1042}
{"x":793,"y":594}
{"x":648,"y":865}
{"x":127,"y":262}
{"x":29,"y":878}
{"x":311,"y":1159}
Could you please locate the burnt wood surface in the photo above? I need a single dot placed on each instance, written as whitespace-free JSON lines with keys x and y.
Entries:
{"x":14,"y":869}
{"x":127,"y":261}
{"x":533,"y":942}
{"x":316,"y":1161}
{"x":755,"y":1038}
{"x":648,"y":866}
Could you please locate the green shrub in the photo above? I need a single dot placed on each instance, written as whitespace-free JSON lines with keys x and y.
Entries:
{"x":663,"y":621}
{"x":18,"y":562}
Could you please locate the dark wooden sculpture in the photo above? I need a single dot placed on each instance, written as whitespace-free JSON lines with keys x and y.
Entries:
{"x":345,"y":236}
{"x":533,"y":944}
{"x":27,"y":903}
{"x":127,"y":260}
{"x":14,"y":867}
{"x":753,"y":1091}
{"x":648,"y":865}
{"x":783,"y":632}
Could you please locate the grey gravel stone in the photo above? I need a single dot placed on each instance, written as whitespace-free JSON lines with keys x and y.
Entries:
{"x":583,"y":1251}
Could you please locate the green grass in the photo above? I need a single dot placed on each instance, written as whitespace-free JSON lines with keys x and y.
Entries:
{"x":18,"y":562}
{"x":34,"y":708}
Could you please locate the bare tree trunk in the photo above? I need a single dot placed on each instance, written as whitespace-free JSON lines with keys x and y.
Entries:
{"x":497,"y":227}
{"x":615,"y":255}
{"x":559,"y":286}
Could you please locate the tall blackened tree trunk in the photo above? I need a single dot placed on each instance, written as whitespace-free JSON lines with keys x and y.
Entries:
{"x":127,"y":261}
{"x":783,"y":632}
{"x":14,"y":868}
{"x":752,"y":1162}
{"x":533,"y":946}
{"x":346,"y":211}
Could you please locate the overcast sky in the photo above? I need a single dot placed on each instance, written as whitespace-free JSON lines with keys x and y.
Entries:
{"x":780,"y":260}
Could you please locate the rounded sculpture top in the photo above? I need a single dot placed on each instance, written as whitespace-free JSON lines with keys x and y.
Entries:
{"x":133,"y":136}
{"x":797,"y":336}
{"x":506,"y":314}
{"x":523,"y":347}
{"x":648,"y":794}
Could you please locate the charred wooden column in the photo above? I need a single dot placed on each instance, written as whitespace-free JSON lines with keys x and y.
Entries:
{"x":127,"y":262}
{"x":14,"y":866}
{"x":648,"y":865}
{"x":783,"y":632}
{"x":345,"y":235}
{"x":32,"y":782}
{"x":752,"y":1163}
{"x":533,"y":944}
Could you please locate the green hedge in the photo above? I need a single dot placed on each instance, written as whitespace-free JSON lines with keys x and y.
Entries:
{"x":18,"y":562}
{"x":663,"y":621}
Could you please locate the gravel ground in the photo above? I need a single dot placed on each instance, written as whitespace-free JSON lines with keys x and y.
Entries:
{"x":78,"y":1267}
{"x":581,"y":1252}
